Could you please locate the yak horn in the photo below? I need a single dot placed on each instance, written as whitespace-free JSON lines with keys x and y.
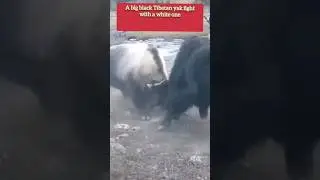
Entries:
{"x":151,"y":85}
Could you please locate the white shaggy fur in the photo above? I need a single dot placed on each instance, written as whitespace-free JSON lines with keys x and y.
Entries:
{"x":134,"y":60}
{"x":135,"y":66}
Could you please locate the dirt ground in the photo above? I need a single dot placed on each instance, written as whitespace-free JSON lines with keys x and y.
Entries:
{"x":140,"y":152}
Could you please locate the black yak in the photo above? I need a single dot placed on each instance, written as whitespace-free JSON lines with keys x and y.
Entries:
{"x":189,"y":81}
{"x":135,"y":68}
{"x":266,"y":69}
{"x":53,"y":89}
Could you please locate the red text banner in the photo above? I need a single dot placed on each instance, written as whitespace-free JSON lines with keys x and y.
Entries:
{"x":159,"y":17}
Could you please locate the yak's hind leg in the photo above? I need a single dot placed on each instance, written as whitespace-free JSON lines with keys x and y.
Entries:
{"x":299,"y":158}
{"x":203,"y":111}
{"x":228,"y":153}
{"x":203,"y":103}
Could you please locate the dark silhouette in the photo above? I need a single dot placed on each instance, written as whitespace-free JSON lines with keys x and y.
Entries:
{"x":54,"y":89}
{"x":266,"y":69}
{"x":189,"y":81}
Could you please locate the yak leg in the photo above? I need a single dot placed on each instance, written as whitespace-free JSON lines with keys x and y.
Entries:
{"x":141,"y":107}
{"x":226,"y":156}
{"x":203,"y":105}
{"x":140,"y":99}
{"x":203,"y":102}
{"x":299,"y":158}
{"x":203,"y":111}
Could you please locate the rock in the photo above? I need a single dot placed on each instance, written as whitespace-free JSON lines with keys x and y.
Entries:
{"x":138,"y":150}
{"x":122,"y":135}
{"x":117,"y":147}
{"x":135,"y":128}
{"x":196,"y":158}
{"x":121,"y":126}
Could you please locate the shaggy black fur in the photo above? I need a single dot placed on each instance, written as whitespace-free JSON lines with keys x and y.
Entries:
{"x":265,"y":78}
{"x":189,"y":81}
{"x":54,"y":92}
